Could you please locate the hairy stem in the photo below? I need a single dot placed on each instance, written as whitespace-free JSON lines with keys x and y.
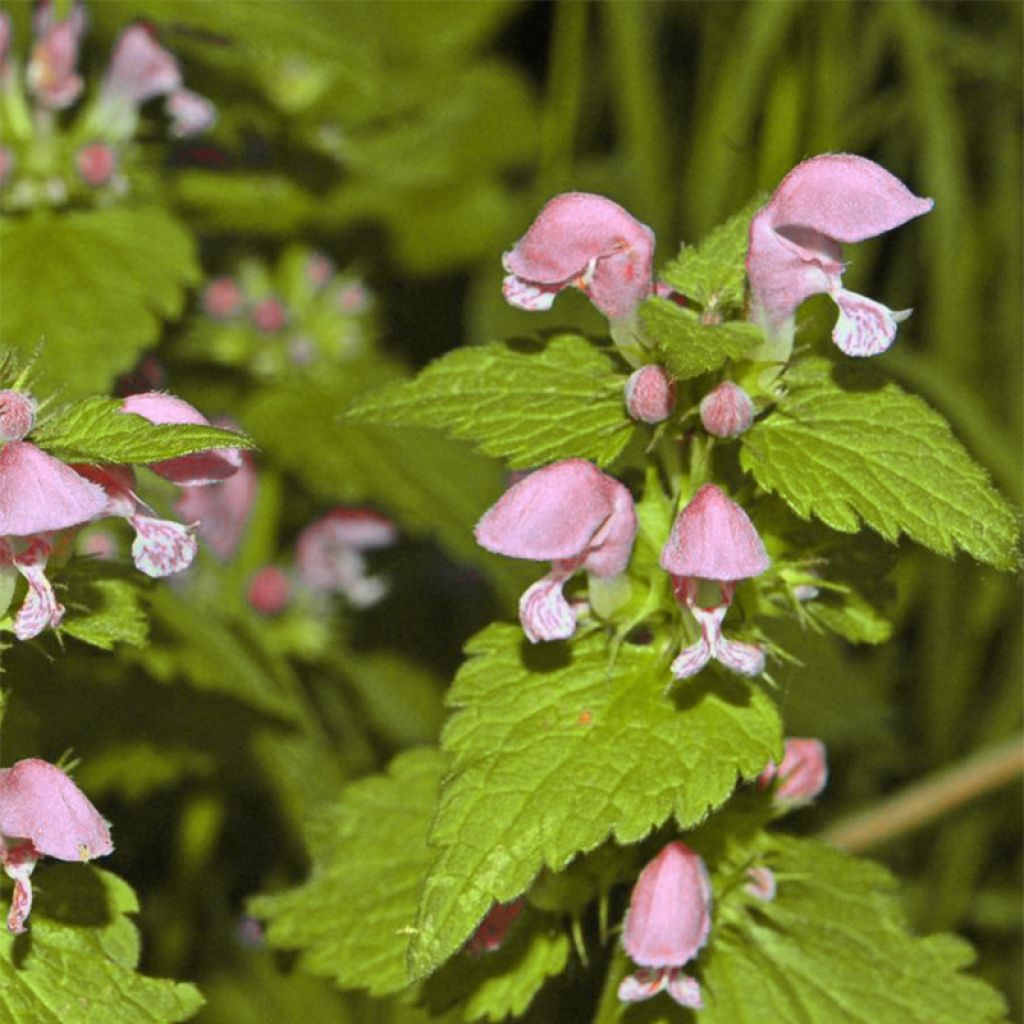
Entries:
{"x":940,"y":793}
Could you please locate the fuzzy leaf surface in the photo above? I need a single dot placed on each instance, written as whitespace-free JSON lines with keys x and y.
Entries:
{"x":94,"y":286}
{"x":79,"y":966}
{"x":689,"y":348}
{"x":834,"y":946}
{"x":847,"y":448}
{"x":95,"y":430}
{"x":530,"y":406}
{"x":714,"y":272}
{"x":553,"y":752}
{"x":348,"y":925}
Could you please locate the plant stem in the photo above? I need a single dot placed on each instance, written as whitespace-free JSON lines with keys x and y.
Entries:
{"x":940,"y":793}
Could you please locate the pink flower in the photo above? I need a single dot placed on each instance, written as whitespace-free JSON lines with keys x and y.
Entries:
{"x":51,"y":71}
{"x":269,"y":590}
{"x":222,"y":298}
{"x":583,"y":241}
{"x":667,"y":923}
{"x":571,"y":514}
{"x":17,"y":415}
{"x":491,"y":933}
{"x":190,"y":113}
{"x":221,"y":508}
{"x":43,"y":814}
{"x":795,"y":247}
{"x":329,"y":554}
{"x":802,"y":774}
{"x":161,"y":546}
{"x":713,"y":539}
{"x":269,"y":315}
{"x":139,"y":69}
{"x":761,"y":883}
{"x":96,"y":163}
{"x":727,"y":411}
{"x":40,"y":609}
{"x":650,"y":394}
{"x":188,"y":470}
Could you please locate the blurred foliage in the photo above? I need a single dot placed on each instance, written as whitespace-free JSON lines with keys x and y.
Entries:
{"x":416,"y":140}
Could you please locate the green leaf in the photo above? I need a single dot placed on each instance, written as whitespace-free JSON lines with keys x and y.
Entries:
{"x":78,"y":965}
{"x":94,"y":286}
{"x":688,"y":347}
{"x":95,"y":430}
{"x":353,"y":917}
{"x":714,"y":272}
{"x":529,"y":405}
{"x":429,"y":483}
{"x":847,"y":448}
{"x":103,"y":604}
{"x":554,"y":750}
{"x":833,"y":946}
{"x":851,"y":616}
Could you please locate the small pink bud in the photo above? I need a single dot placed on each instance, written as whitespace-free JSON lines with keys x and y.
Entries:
{"x":713,"y":538}
{"x":727,"y":411}
{"x":650,"y":394}
{"x":584,"y":241}
{"x":269,"y":315}
{"x":491,"y":933}
{"x":269,"y":590}
{"x":319,"y":270}
{"x":667,"y":923}
{"x":222,"y":298}
{"x":96,"y":163}
{"x":17,"y":415}
{"x":802,"y":774}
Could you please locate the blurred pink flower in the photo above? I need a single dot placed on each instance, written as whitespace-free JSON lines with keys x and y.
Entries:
{"x":795,"y":247}
{"x":492,"y":930}
{"x":52,"y":69}
{"x":571,"y":514}
{"x":581,"y":240}
{"x":43,"y":814}
{"x":269,"y":590}
{"x":667,"y":923}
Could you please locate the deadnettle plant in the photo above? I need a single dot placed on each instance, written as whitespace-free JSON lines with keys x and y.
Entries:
{"x":571,"y":514}
{"x":650,"y":394}
{"x":667,"y":923}
{"x":800,"y":776}
{"x":713,"y":539}
{"x":795,"y":249}
{"x":43,"y":814}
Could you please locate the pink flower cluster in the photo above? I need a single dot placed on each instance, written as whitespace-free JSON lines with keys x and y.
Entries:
{"x":43,"y":814}
{"x":140,"y":69}
{"x":41,"y":497}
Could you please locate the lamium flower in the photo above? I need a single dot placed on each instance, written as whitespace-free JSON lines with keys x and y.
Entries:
{"x":52,"y":69}
{"x":43,"y":814}
{"x":727,"y":411}
{"x":161,"y":546}
{"x":800,"y":776}
{"x":329,"y":554}
{"x":795,"y":248}
{"x":650,"y":394}
{"x":96,"y":163}
{"x":713,"y":539}
{"x":571,"y":514}
{"x":188,"y":470}
{"x":585,"y":241}
{"x":667,"y":923}
{"x":269,"y":590}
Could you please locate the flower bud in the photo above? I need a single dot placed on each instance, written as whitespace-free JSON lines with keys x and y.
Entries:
{"x":269,"y":590}
{"x":96,"y":163}
{"x":650,"y":394}
{"x":801,"y":775}
{"x":222,"y":298}
{"x":727,"y":411}
{"x":269,"y":315}
{"x":17,"y":415}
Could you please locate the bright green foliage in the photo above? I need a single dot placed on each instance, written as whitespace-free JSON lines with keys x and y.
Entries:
{"x":713,"y":273}
{"x":869,"y":451}
{"x":852,"y":617}
{"x":528,"y":405}
{"x":353,"y":917}
{"x":555,"y":749}
{"x":79,"y":965}
{"x":688,"y":347}
{"x":94,"y":286}
{"x":104,"y":606}
{"x":833,"y":946}
{"x":95,"y":430}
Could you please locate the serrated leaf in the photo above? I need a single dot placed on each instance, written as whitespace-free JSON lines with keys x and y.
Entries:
{"x":103,"y":605}
{"x":428,"y":482}
{"x":94,"y":286}
{"x":847,"y":448}
{"x":79,"y":964}
{"x":95,"y":430}
{"x":554,"y":750}
{"x":352,"y":918}
{"x":714,"y":272}
{"x":529,"y":405}
{"x":688,"y":347}
{"x":833,"y":946}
